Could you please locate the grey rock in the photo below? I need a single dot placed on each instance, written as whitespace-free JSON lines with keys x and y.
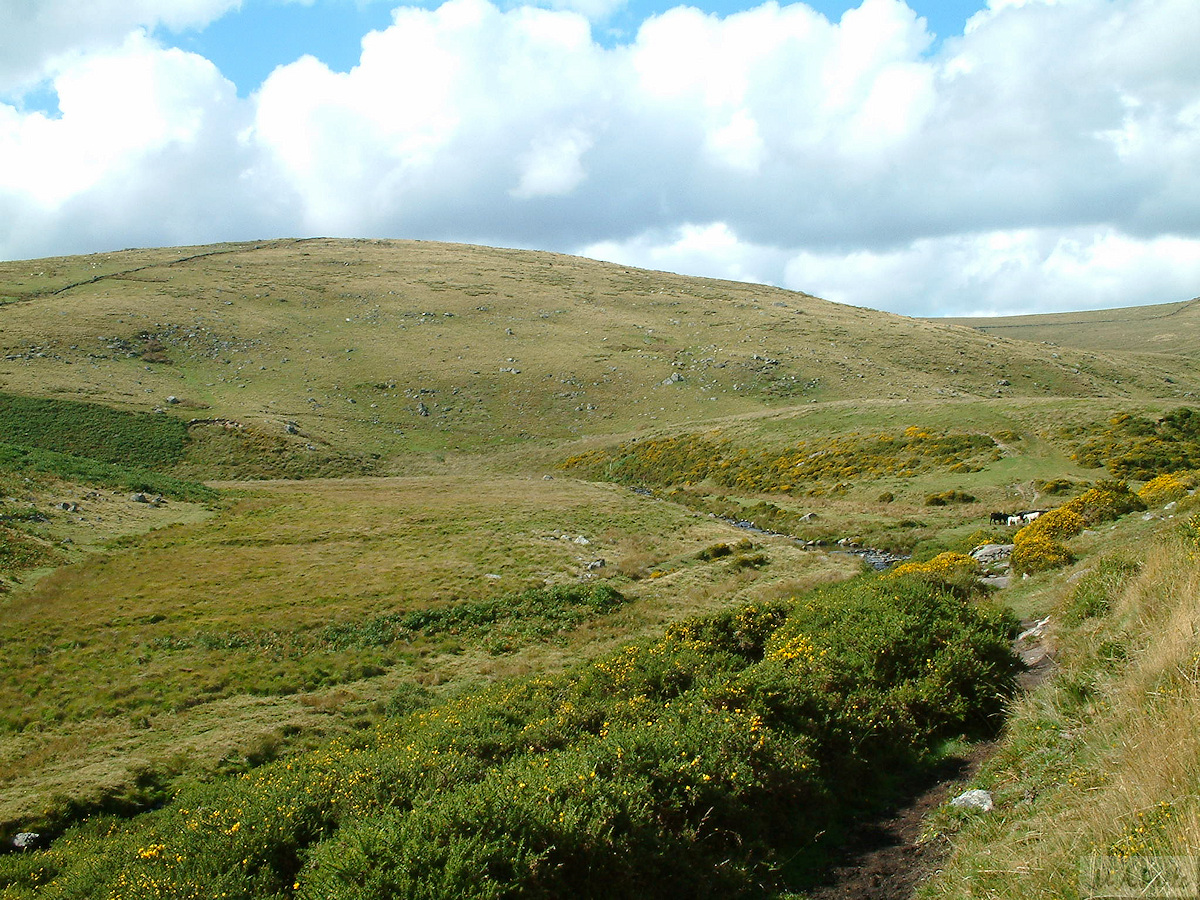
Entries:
{"x":139,"y":498}
{"x":974,"y":799}
{"x":992,"y":553}
{"x":26,"y":840}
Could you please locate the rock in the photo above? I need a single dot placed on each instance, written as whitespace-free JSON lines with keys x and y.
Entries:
{"x":809,"y":517}
{"x":1170,"y":506}
{"x":547,"y":478}
{"x":582,"y":541}
{"x":1034,"y":631}
{"x":974,"y":799}
{"x":596,"y":564}
{"x":139,"y":498}
{"x":172,"y":400}
{"x":992,"y":553}
{"x":291,"y":428}
{"x":26,"y":840}
{"x":67,"y":506}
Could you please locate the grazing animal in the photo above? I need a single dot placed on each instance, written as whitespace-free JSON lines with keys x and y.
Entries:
{"x":1016,"y":519}
{"x":999,"y":518}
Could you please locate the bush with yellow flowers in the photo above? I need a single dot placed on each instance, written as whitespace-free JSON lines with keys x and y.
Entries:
{"x":1167,"y":487}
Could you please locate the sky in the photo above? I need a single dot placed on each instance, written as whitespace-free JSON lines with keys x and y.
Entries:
{"x":967,"y":157}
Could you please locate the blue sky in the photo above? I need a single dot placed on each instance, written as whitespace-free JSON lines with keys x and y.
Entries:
{"x":249,"y":42}
{"x":954,"y":158}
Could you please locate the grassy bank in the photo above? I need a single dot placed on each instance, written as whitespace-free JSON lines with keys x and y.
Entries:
{"x":1099,"y":771}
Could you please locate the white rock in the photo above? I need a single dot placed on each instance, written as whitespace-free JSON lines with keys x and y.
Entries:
{"x":974,"y":799}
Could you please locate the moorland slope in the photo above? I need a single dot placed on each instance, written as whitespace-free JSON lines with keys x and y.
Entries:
{"x":407,"y":527}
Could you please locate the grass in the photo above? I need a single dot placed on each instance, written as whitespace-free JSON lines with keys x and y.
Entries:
{"x":294,"y":607}
{"x":1100,"y":763}
{"x":351,"y":339}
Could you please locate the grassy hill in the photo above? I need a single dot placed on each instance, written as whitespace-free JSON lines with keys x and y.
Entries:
{"x":294,"y":506}
{"x":400,"y":347}
{"x":1166,"y":330}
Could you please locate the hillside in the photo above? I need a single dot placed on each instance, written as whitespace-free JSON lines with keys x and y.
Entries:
{"x":400,"y":347}
{"x":314,"y":552}
{"x":1167,"y":330}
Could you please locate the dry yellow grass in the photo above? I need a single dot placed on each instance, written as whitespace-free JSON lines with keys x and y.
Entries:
{"x":1103,"y":761}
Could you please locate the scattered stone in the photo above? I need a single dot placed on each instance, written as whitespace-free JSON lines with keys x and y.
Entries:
{"x":1035,"y":631}
{"x":139,"y":498}
{"x":809,"y":517}
{"x":596,"y":564}
{"x":547,"y":478}
{"x":988,"y":554}
{"x":172,"y":400}
{"x":582,"y":541}
{"x":26,"y":840}
{"x":674,"y":378}
{"x":67,"y":506}
{"x":974,"y":799}
{"x":291,"y":428}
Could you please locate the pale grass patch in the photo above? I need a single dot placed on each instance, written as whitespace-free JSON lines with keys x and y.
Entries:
{"x":1103,"y":759}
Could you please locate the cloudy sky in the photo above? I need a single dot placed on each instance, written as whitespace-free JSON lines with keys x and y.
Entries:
{"x":935,"y":158}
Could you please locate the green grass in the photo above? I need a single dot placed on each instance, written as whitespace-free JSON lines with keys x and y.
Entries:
{"x":683,"y":756}
{"x":158,"y":655}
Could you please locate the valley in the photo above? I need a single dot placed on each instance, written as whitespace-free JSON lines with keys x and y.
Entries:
{"x":406,"y":528}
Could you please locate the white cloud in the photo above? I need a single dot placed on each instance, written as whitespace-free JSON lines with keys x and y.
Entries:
{"x":1021,"y":271}
{"x":1049,"y":156}
{"x":39,"y":38}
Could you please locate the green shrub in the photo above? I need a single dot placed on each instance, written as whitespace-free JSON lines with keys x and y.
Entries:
{"x":947,"y":497}
{"x":693,"y":764}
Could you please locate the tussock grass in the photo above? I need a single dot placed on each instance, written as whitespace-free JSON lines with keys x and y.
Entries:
{"x":1104,"y":759}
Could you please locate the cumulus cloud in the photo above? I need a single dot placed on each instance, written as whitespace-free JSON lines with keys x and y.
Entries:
{"x":41,"y":37}
{"x":1046,"y":158}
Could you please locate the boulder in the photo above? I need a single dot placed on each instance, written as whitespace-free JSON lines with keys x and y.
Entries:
{"x":26,"y":840}
{"x":992,"y":553}
{"x":974,"y":799}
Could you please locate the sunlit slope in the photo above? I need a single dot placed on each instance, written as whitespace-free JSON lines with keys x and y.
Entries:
{"x":393,"y":346}
{"x":1167,"y":329}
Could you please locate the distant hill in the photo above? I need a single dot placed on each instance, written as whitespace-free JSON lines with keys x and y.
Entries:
{"x":1164,"y":329}
{"x":390,"y":347}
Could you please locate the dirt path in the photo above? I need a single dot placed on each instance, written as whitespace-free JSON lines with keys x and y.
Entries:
{"x":885,"y":859}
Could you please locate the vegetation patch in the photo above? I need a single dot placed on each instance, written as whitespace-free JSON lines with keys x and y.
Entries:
{"x":1038,"y":546}
{"x":690,"y":459}
{"x":692,"y":764}
{"x":223,"y":450}
{"x":1139,"y":447}
{"x":91,"y":431}
{"x":1096,"y":771}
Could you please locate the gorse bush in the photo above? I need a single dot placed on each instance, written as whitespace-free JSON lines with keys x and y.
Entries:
{"x":1166,"y":487}
{"x":1038,"y":546}
{"x":953,"y":571}
{"x":693,"y":764}
{"x":693,"y":458}
{"x":1141,"y":448}
{"x":945,"y":498}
